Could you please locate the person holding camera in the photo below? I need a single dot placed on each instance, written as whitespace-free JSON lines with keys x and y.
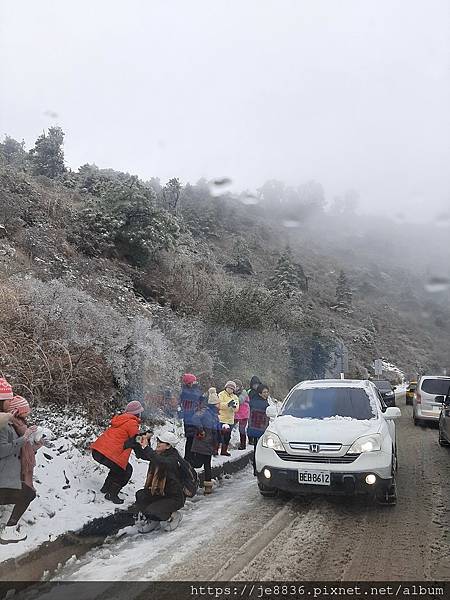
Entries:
{"x":228,"y":406}
{"x":162,"y":496}
{"x":17,"y":449}
{"x":108,"y":450}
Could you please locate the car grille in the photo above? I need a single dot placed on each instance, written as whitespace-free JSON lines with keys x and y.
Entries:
{"x":335,"y":460}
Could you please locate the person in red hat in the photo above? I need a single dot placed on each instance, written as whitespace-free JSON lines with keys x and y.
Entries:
{"x":108,"y":450}
{"x":190,"y":398}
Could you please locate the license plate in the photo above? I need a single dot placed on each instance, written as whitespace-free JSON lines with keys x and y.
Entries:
{"x":314,"y":477}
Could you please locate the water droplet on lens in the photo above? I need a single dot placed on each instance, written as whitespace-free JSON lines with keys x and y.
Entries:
{"x":219,"y":186}
{"x":290,"y":223}
{"x":437,"y":284}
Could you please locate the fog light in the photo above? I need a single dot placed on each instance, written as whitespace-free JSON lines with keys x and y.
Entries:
{"x":371,"y":479}
{"x":267,"y":474}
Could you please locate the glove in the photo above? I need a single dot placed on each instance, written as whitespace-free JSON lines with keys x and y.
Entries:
{"x":130,"y":443}
{"x":29,"y":432}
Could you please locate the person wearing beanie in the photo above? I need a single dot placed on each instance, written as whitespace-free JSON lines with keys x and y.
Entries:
{"x":162,"y":496}
{"x":108,"y":450}
{"x":190,"y":397}
{"x":17,"y":461}
{"x":207,"y":436}
{"x":258,"y":419}
{"x":228,"y":407}
{"x":242,"y":414}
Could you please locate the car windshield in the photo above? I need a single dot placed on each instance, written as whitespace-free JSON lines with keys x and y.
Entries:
{"x":436,"y":386}
{"x":320,"y":403}
{"x":383,"y":385}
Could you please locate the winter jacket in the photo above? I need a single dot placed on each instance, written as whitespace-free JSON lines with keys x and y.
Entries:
{"x":226,"y":413}
{"x":111,"y":442}
{"x":167,"y":467}
{"x":258,"y":420}
{"x":244,"y":406}
{"x":190,"y":398}
{"x":5,"y":418}
{"x":10,"y":466}
{"x":206,"y":421}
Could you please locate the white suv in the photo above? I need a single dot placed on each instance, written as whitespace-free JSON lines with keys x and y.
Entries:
{"x":330,"y":436}
{"x":428,"y":398}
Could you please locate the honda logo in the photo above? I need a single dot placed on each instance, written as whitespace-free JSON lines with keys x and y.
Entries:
{"x":314,"y":448}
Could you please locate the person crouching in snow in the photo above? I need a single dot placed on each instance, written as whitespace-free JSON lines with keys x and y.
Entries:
{"x":228,"y":406}
{"x":206,"y":439}
{"x":108,"y":450}
{"x":162,"y":496}
{"x":241,"y":416}
{"x":15,"y":463}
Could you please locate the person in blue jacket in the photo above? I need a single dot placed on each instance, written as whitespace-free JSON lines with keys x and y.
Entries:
{"x":190,"y":398}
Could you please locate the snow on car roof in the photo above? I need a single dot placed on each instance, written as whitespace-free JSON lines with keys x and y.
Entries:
{"x":326,"y":383}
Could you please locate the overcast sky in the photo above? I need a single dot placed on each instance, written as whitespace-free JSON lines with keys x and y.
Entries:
{"x":352,"y":93}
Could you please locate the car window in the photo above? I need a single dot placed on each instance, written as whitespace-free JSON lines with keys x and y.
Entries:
{"x":320,"y":403}
{"x":383,"y":405}
{"x":383,"y":385}
{"x":436,"y":386}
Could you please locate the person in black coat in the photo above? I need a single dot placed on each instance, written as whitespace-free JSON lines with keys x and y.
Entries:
{"x":162,"y":496}
{"x":207,"y":436}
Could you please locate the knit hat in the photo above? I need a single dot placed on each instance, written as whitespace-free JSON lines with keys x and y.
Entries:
{"x":189,"y":379}
{"x":168,"y":438}
{"x":213,"y":398}
{"x":20,"y":405}
{"x":134,"y":408}
{"x":239,"y":384}
{"x":6,"y":392}
{"x":230,"y":384}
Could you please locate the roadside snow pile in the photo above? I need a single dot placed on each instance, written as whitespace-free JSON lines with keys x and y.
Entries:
{"x":68,"y":480}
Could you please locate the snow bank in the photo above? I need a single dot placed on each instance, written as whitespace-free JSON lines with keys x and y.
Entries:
{"x":68,"y":480}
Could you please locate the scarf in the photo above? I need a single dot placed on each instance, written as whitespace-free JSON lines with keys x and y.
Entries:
{"x":27,"y":453}
{"x":156,"y":481}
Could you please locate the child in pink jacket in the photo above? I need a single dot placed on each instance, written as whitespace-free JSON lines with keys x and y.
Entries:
{"x":242,"y":415}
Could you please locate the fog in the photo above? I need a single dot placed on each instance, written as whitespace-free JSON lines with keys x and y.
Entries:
{"x":351,"y":94}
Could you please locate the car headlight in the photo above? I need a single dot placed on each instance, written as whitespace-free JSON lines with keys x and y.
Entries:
{"x":366,"y":443}
{"x":271,"y":440}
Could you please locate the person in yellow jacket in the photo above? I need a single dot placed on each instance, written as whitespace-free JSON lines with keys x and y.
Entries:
{"x":228,"y":406}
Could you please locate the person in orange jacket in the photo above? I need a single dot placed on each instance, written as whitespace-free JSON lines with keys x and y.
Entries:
{"x":108,"y":450}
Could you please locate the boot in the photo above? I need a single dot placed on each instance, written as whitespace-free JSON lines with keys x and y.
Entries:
{"x":11,"y":534}
{"x":224,"y":450}
{"x":243,"y":444}
{"x":104,"y":489}
{"x":207,"y":488}
{"x":147,"y":525}
{"x":173,"y":522}
{"x":113,"y":497}
{"x":5,"y":513}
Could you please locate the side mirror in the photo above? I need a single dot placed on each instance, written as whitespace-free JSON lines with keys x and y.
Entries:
{"x":271,"y":412}
{"x":393,"y":412}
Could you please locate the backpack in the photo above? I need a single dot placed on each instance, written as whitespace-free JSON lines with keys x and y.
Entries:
{"x":189,"y":477}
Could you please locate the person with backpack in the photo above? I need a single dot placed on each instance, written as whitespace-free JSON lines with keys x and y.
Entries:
{"x":228,"y":406}
{"x":164,"y":491}
{"x":108,"y":450}
{"x":206,"y":440}
{"x":190,"y":397}
{"x":241,"y":416}
{"x":258,"y":420}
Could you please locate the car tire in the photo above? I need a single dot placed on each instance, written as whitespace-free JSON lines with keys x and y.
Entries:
{"x":441,"y":440}
{"x":389,"y":496}
{"x":267,"y":492}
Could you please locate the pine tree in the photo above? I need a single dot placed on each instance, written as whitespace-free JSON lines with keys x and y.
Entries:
{"x":343,"y":291}
{"x":47,"y":156}
{"x":285,"y":280}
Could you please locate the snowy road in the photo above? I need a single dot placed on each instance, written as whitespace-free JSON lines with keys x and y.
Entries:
{"x":238,"y":534}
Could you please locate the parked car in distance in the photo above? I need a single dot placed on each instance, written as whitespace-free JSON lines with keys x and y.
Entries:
{"x":331,"y":436}
{"x":410,"y":392}
{"x":386,"y":390}
{"x":428,"y":398}
{"x":444,"y":421}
